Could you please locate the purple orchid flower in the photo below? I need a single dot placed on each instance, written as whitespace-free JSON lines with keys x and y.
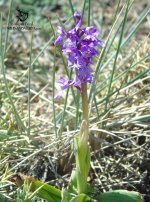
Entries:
{"x":80,"y":47}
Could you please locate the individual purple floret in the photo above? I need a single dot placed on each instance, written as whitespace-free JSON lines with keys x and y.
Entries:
{"x":79,"y":44}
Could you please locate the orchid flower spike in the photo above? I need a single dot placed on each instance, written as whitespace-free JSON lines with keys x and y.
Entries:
{"x":79,"y":44}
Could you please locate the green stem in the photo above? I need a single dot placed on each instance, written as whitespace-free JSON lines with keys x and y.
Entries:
{"x":81,"y":146}
{"x":84,"y":102}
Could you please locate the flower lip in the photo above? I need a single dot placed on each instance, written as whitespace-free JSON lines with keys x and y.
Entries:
{"x":91,"y":30}
{"x":59,"y":40}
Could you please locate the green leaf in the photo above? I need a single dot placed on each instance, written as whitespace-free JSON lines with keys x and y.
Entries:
{"x":72,"y":188}
{"x":66,"y":196}
{"x":70,"y":197}
{"x":45,"y":191}
{"x":80,"y":198}
{"x":120,"y":196}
